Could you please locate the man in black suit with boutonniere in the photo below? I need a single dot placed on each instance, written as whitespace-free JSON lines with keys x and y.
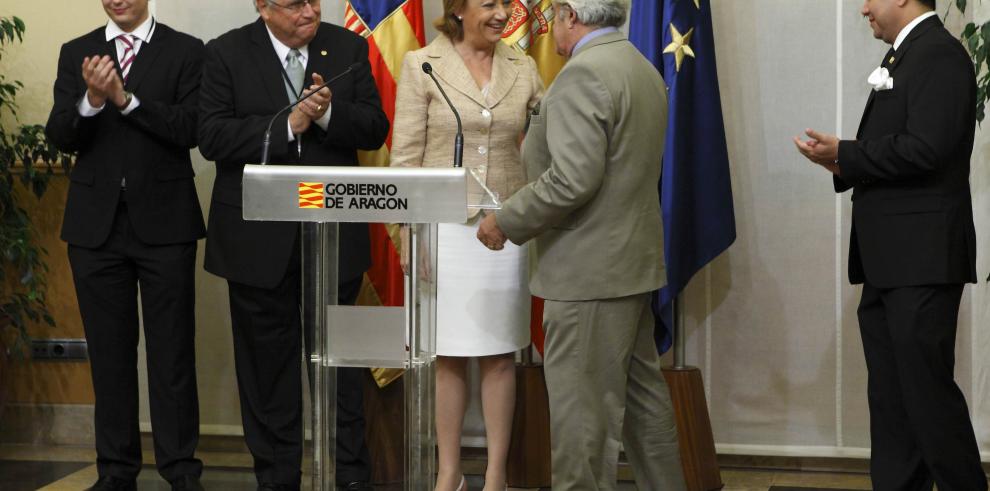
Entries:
{"x":250,"y":73}
{"x":913,"y":245}
{"x":126,"y":103}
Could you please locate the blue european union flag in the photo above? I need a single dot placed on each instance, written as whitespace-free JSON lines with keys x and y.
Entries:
{"x":695,"y":190}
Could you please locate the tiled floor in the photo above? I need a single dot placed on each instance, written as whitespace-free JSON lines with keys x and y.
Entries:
{"x":26,"y":468}
{"x":70,"y":469}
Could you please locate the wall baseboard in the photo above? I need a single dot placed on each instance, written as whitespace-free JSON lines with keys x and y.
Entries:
{"x":48,"y":424}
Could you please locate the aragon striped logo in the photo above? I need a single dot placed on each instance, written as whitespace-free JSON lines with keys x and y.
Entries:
{"x":311,"y":195}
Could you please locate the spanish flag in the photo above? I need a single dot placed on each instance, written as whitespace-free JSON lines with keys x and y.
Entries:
{"x":392,"y":27}
{"x":530,"y":30}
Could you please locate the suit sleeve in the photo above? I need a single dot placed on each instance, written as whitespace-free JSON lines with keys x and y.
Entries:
{"x":69,"y":131}
{"x":359,"y":123}
{"x":223,"y":135}
{"x":175,"y":122}
{"x":939,"y":108}
{"x":579,"y":119}
{"x":412,"y":106}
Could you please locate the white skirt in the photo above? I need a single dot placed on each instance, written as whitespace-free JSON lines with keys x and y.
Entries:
{"x":483,"y":301}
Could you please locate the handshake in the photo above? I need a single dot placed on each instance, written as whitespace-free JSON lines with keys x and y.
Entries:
{"x":490,"y":234}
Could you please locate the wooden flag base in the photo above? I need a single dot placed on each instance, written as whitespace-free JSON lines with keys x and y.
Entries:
{"x":529,"y":452}
{"x":384,"y":418}
{"x":694,"y":428}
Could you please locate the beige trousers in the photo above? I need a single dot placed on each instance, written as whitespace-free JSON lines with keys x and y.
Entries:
{"x":606,"y":390}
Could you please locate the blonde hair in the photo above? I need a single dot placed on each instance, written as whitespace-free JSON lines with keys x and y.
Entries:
{"x":449,"y":25}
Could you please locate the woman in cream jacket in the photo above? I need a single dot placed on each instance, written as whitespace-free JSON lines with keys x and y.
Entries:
{"x":483,"y":302}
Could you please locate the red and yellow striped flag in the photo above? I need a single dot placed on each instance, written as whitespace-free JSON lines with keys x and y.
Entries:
{"x":530,"y":30}
{"x":392,"y":27}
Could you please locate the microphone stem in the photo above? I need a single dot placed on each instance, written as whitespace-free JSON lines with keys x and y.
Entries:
{"x":268,"y":130}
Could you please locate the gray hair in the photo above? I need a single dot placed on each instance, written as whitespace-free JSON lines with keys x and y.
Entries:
{"x":599,"y":13}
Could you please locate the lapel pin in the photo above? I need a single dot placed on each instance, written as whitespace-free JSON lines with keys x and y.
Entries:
{"x":891,"y":60}
{"x":323,"y":53}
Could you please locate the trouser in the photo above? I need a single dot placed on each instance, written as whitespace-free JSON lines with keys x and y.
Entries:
{"x":920,"y":428}
{"x":107,"y":279}
{"x":606,"y":390}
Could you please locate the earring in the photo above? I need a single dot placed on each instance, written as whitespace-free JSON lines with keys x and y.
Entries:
{"x":460,"y":18}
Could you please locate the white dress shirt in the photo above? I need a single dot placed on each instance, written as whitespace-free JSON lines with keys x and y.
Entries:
{"x":283,"y":54}
{"x":141,"y":35}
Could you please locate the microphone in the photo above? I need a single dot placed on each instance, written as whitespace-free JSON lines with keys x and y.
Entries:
{"x":459,"y":139}
{"x":268,"y":131}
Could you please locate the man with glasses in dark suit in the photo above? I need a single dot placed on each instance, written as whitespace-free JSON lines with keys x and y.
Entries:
{"x":250,"y":73}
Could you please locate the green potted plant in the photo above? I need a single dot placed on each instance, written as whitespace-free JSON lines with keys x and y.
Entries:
{"x":28,"y":161}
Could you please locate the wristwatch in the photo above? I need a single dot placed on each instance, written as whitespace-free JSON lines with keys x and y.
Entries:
{"x":127,"y":100}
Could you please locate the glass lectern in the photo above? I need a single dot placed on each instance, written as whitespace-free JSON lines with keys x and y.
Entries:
{"x":387,"y":337}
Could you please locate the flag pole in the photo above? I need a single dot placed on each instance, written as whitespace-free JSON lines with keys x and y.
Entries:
{"x":694,"y":427}
{"x":679,"y":342}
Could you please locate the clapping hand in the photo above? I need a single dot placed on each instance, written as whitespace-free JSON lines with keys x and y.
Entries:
{"x":102,"y":81}
{"x":317,"y":104}
{"x":822,"y":149}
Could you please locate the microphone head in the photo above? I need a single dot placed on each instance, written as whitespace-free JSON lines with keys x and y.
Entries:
{"x":427,"y":67}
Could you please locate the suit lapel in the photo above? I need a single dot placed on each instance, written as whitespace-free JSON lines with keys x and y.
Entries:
{"x":919,"y":31}
{"x":450,"y":68}
{"x":269,"y":66}
{"x":321,"y":58}
{"x":504,"y":73}
{"x":146,"y":56}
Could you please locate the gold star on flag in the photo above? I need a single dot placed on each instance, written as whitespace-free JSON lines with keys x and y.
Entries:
{"x":680,"y":45}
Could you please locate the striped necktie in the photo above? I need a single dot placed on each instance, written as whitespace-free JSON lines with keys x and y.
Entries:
{"x":127,"y":59}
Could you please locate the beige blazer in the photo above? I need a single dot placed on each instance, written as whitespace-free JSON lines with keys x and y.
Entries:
{"x":593,"y":152}
{"x":424,"y":126}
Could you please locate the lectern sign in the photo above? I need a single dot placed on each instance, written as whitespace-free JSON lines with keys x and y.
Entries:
{"x":354,"y":194}
{"x":351,"y":196}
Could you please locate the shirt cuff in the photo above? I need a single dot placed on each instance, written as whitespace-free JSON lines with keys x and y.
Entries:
{"x":132,"y":106}
{"x":292,"y":136}
{"x":86,"y":109}
{"x":324,"y":120}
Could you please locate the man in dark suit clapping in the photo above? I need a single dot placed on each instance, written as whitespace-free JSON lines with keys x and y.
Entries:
{"x":913,"y":245}
{"x":250,"y":73}
{"x":125,"y":101}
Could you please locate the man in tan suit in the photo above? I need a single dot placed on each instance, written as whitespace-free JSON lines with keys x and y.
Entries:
{"x":593,"y":147}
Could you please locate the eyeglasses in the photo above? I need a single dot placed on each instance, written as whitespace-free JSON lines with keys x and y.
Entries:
{"x":296,"y":7}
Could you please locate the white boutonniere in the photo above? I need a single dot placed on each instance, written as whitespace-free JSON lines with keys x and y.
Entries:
{"x":881,"y":80}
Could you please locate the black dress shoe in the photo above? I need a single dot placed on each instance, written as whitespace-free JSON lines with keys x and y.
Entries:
{"x":187,"y":483}
{"x":110,"y":483}
{"x":356,"y":486}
